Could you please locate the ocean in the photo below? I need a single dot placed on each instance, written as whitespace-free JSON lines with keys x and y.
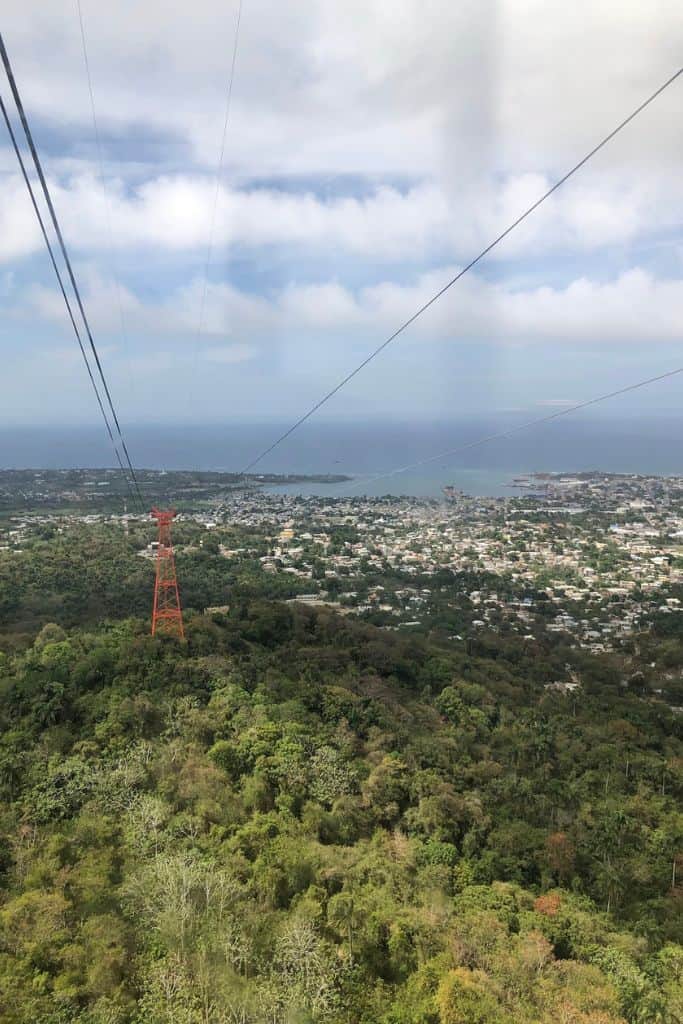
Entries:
{"x":639,"y":444}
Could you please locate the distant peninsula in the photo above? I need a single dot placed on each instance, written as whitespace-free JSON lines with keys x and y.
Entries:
{"x":105,"y":489}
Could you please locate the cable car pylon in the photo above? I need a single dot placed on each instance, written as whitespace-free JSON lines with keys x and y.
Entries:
{"x":167,"y":615}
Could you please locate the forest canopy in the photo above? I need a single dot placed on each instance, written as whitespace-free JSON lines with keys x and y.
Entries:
{"x":297,"y":816}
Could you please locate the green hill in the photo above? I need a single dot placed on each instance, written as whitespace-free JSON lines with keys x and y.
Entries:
{"x":298,"y":817}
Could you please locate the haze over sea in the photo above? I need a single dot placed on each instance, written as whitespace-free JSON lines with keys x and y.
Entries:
{"x":639,"y":444}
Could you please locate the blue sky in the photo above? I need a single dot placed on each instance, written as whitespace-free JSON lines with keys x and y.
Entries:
{"x":373,"y":148}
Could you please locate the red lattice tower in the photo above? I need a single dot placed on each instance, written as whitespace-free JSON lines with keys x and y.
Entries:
{"x":167,"y":617}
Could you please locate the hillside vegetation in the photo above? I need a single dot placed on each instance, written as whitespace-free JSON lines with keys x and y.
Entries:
{"x":298,"y":817}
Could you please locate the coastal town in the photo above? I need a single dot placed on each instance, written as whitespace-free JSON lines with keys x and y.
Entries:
{"x":592,"y":556}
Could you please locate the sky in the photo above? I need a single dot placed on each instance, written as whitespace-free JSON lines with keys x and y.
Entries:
{"x":372,"y":149}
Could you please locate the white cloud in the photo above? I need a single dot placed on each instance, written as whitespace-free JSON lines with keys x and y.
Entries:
{"x":367,"y":139}
{"x":19,"y":231}
{"x":633,"y":307}
{"x":482,"y":104}
{"x":174,"y":215}
{"x":368,"y":86}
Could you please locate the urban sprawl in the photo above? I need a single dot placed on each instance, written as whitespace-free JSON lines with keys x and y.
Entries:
{"x":592,"y":556}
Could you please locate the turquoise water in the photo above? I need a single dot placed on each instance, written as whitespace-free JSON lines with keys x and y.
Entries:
{"x":422,"y":483}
